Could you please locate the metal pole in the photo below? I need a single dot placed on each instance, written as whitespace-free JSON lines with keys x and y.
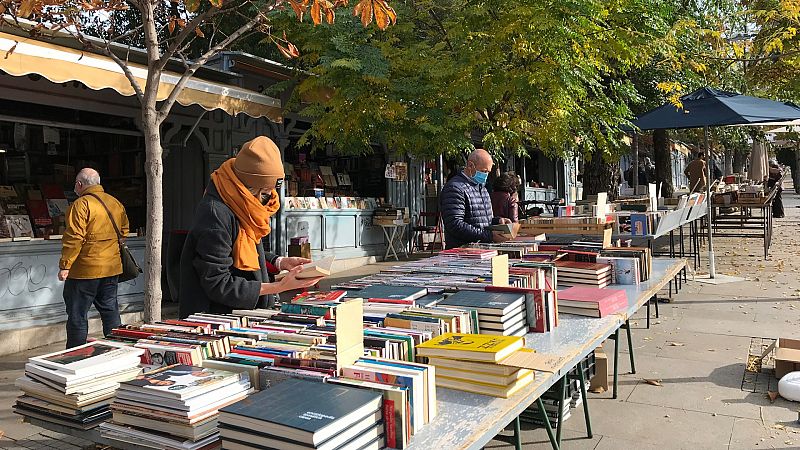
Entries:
{"x":635,"y":162}
{"x":441,"y":173}
{"x":712,"y":270}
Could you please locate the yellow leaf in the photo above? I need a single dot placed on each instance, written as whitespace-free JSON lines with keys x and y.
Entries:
{"x":364,"y":9}
{"x":316,"y":13}
{"x":199,"y":32}
{"x":384,"y":14}
{"x":171,"y":25}
{"x":330,"y":16}
{"x":299,"y":9}
{"x":216,"y":3}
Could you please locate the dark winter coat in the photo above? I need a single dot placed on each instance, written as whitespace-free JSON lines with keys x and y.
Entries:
{"x":208,"y":280}
{"x":466,"y":212}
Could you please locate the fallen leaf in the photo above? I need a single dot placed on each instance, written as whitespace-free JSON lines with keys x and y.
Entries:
{"x":772,"y":396}
{"x":708,"y":398}
{"x":652,"y":382}
{"x":778,"y":426}
{"x":647,"y":338}
{"x":598,"y":390}
{"x":711,"y":350}
{"x":676,"y":344}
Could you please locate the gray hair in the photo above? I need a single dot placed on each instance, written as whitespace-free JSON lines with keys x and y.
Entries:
{"x":88,"y":177}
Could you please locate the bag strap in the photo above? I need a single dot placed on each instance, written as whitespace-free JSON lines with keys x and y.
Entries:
{"x":114,"y":223}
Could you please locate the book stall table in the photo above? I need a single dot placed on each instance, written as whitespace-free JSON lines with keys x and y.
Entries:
{"x":470,"y":421}
{"x":395,"y":238}
{"x":676,"y":220}
{"x":754,"y":220}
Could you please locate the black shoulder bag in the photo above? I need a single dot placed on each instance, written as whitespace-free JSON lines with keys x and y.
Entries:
{"x":130,"y":270}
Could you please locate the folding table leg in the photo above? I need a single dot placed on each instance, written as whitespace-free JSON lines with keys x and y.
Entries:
{"x":585,"y":401}
{"x":630,"y":346}
{"x":616,"y":361}
{"x":657,"y":316}
{"x":648,"y":311}
{"x":517,"y":435}
{"x":563,"y":390}
{"x":547,"y":425}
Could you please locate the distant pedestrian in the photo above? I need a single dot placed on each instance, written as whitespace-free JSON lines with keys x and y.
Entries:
{"x":774,"y":182}
{"x":505,"y":196}
{"x":90,"y":260}
{"x":696,"y":172}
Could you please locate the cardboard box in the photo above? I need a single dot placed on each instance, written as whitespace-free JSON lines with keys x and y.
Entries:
{"x":301,"y":250}
{"x":787,"y":356}
{"x":600,"y":378}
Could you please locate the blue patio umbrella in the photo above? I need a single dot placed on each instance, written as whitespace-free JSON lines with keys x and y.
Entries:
{"x":708,"y":107}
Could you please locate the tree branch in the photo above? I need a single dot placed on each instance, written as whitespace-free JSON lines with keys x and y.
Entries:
{"x":176,"y":90}
{"x":188,"y":30}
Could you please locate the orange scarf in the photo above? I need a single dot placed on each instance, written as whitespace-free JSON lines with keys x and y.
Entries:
{"x":252,"y":215}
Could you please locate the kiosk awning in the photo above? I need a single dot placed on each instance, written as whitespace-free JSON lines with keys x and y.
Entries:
{"x":61,"y":64}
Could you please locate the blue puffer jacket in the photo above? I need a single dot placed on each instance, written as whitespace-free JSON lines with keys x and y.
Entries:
{"x":466,"y":212}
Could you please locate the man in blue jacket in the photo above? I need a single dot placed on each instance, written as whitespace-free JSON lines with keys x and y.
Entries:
{"x":466,"y":206}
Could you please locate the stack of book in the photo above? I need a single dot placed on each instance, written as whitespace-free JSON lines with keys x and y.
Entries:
{"x":469,"y":362}
{"x":177,"y":404}
{"x":299,"y":414}
{"x":592,"y":302}
{"x":642,"y":254}
{"x":74,"y":387}
{"x":418,"y":379}
{"x":573,"y":273}
{"x":500,"y":313}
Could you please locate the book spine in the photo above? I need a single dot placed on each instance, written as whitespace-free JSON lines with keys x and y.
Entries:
{"x":389,"y":423}
{"x":310,"y":310}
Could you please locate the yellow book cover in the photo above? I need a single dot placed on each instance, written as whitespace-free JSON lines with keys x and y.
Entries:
{"x":475,"y":347}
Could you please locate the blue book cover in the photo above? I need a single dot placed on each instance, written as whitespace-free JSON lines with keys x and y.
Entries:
{"x":389,"y":292}
{"x":305,"y":406}
{"x":491,"y":303}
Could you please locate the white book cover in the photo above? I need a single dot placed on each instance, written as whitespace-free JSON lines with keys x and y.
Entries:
{"x":86,"y":359}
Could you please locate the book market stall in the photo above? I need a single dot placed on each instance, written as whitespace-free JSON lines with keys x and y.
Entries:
{"x":743,"y":209}
{"x":443,"y":352}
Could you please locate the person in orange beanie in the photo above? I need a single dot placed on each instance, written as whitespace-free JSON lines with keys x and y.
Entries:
{"x":223,"y":264}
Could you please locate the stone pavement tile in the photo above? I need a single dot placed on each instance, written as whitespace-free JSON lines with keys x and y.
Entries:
{"x":751,"y":434}
{"x":705,"y":386}
{"x":650,"y":424}
{"x":695,"y":346}
{"x":722,"y":322}
{"x":534,"y":438}
{"x":612,"y":443}
{"x":14,"y":428}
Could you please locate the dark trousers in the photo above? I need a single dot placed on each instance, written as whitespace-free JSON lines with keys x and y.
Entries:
{"x":79,"y":296}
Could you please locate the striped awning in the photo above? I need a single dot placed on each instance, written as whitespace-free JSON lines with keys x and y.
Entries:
{"x":24,"y":56}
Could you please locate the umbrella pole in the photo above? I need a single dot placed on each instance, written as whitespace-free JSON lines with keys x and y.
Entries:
{"x":712,"y":270}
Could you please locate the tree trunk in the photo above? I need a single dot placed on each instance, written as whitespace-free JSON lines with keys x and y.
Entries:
{"x":662,"y":153}
{"x":154,"y":168}
{"x":600,"y":176}
{"x":739,"y":159}
{"x":729,"y":162}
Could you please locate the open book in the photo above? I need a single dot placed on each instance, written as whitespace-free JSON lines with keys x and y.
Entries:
{"x":314,"y":269}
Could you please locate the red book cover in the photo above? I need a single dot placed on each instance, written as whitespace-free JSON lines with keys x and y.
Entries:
{"x":318,"y":296}
{"x":392,"y":301}
{"x":39,"y":212}
{"x":607,"y":301}
{"x":252,"y":353}
{"x":184,"y":323}
{"x":53,"y":191}
{"x":389,"y":424}
{"x":131,"y":333}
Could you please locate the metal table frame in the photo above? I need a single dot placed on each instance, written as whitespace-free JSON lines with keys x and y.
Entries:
{"x":745,"y":224}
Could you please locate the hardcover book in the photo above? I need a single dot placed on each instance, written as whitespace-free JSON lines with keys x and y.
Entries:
{"x":471,"y":347}
{"x":303,"y":411}
{"x":85,"y":359}
{"x":490,"y":303}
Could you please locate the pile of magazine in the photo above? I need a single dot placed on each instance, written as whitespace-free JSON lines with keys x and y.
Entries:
{"x":174,"y":407}
{"x":74,"y":387}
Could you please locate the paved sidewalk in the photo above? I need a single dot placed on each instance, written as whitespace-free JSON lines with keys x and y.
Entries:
{"x":697,"y":349}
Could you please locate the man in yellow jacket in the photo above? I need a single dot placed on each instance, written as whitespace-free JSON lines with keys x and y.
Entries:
{"x":90,"y":261}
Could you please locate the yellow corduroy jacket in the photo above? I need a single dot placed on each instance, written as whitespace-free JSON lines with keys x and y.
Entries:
{"x":90,"y":243}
